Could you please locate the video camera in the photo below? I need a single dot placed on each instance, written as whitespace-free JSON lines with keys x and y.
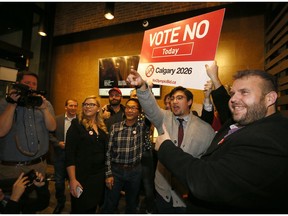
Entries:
{"x":28,"y":97}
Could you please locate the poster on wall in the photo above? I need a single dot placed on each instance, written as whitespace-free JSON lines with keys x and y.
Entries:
{"x":176,"y":54}
{"x":7,"y":76}
{"x":113,"y":72}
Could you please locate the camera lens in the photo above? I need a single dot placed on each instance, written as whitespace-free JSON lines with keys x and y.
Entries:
{"x":34,"y":101}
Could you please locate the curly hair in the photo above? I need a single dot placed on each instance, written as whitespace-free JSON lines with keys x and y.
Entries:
{"x":87,"y":123}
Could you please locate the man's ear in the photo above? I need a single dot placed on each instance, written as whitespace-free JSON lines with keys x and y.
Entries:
{"x":271,"y":98}
{"x":190,"y":102}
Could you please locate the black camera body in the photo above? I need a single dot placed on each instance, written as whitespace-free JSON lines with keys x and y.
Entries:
{"x":31,"y":176}
{"x":27,"y":96}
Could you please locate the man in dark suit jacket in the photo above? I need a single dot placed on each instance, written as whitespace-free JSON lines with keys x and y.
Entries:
{"x":245,"y":170}
{"x":57,"y":138}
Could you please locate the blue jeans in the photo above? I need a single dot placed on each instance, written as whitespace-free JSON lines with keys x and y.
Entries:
{"x":60,"y":175}
{"x":127,"y":179}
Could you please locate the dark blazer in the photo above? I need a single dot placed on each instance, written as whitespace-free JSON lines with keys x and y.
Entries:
{"x":85,"y":150}
{"x":220,"y":99}
{"x":59,"y":132}
{"x":58,"y":135}
{"x":247,"y":172}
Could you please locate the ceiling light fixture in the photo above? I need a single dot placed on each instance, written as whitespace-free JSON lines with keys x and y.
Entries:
{"x":42,"y":28}
{"x":109,"y":10}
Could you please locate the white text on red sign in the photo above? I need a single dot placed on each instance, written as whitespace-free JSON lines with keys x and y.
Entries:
{"x":173,"y":35}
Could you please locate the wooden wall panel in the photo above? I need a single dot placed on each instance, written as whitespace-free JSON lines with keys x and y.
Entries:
{"x":276,"y":52}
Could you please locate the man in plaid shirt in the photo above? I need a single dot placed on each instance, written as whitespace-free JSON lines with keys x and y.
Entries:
{"x":123,"y":159}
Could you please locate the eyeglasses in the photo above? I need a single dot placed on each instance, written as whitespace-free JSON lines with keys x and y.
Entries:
{"x":89,"y":104}
{"x":133,"y":108}
{"x":178,"y":98}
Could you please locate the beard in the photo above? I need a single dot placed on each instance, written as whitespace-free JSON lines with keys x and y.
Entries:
{"x":254,"y":113}
{"x":114,"y":102}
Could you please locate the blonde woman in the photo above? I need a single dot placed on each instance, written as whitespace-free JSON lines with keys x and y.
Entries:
{"x":86,"y":140}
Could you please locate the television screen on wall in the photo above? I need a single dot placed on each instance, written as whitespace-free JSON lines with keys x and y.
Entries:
{"x":113,"y":72}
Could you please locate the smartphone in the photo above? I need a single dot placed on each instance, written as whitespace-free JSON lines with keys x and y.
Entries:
{"x":79,"y":191}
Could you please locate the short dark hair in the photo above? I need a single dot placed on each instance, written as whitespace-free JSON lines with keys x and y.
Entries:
{"x":74,"y":100}
{"x":270,"y":81}
{"x":187,"y":93}
{"x":136,"y":101}
{"x":21,"y":74}
{"x":167,"y":96}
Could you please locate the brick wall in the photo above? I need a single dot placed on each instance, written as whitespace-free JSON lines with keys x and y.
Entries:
{"x":76,"y":17}
{"x":75,"y":66}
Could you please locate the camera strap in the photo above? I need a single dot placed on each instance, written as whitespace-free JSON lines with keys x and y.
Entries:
{"x":10,"y":100}
{"x":24,"y":152}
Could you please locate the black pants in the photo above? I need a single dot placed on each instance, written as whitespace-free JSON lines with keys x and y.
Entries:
{"x":148,"y":174}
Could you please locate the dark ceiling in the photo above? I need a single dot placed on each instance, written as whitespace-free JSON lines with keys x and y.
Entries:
{"x":17,"y":17}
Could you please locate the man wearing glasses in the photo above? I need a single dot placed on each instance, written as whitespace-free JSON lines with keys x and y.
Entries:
{"x":123,"y":160}
{"x":187,"y":131}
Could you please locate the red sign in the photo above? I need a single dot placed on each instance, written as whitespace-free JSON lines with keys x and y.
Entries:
{"x":176,"y":54}
{"x":193,"y":39}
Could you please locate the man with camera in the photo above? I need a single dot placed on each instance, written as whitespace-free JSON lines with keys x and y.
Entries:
{"x":26,"y":118}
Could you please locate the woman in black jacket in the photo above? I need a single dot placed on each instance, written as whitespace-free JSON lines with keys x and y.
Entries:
{"x":86,"y":142}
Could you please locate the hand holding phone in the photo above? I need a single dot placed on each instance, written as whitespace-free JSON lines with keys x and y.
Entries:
{"x":79,"y":191}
